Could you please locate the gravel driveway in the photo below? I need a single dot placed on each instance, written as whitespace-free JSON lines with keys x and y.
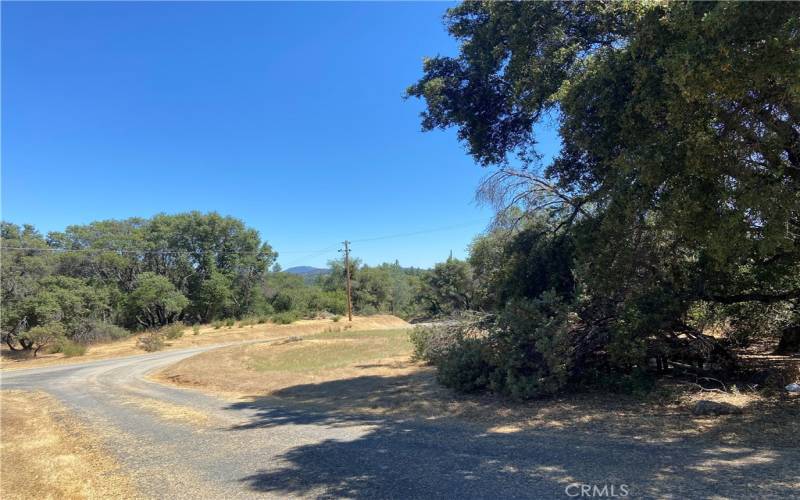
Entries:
{"x":278,"y":449}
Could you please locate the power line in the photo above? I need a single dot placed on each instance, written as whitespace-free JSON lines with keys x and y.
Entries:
{"x":311,"y":255}
{"x":415,"y":233}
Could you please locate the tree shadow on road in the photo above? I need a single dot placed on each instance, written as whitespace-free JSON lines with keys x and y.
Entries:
{"x":369,"y":448}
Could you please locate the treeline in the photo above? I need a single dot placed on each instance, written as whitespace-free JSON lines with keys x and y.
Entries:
{"x":101,"y":280}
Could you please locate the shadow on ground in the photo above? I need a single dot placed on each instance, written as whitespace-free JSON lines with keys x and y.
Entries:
{"x":386,"y":447}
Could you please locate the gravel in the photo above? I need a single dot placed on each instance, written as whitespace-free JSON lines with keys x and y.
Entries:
{"x":274,"y":448}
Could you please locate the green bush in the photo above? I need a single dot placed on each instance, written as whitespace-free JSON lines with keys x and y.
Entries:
{"x":196,"y":329}
{"x":173,"y":331}
{"x":466,"y":367}
{"x":531,"y":345}
{"x":432,"y":343}
{"x":263,"y":319}
{"x":93,"y":332}
{"x":45,"y":336}
{"x":218,"y":324}
{"x":285,"y":318}
{"x":151,"y":341}
{"x":282,"y":302}
{"x":264,"y":310}
{"x":70,"y":348}
{"x":229,"y":322}
{"x":248,"y":321}
{"x":336,"y":318}
{"x":523,"y":353}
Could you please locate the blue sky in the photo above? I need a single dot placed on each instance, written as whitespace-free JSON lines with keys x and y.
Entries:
{"x":288,"y":116}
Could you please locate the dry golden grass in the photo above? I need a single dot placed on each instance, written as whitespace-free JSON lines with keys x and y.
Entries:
{"x":384,"y":381}
{"x":260,"y":369}
{"x":206,"y":336}
{"x":45,"y":453}
{"x":170,"y":411}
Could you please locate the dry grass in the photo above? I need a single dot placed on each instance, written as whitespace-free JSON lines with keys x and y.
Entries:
{"x":352,"y":372}
{"x":170,"y":411}
{"x":46,"y":453}
{"x":265,"y":368}
{"x":207,"y":335}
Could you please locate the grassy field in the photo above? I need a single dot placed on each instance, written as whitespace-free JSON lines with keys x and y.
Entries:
{"x":371,"y":372}
{"x":206,"y":335}
{"x":338,"y":353}
{"x":48,"y":454}
{"x":332,"y":350}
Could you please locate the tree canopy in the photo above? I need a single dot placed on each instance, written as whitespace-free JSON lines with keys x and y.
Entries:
{"x":677,"y":186}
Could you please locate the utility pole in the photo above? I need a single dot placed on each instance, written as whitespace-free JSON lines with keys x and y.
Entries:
{"x":347,"y":273}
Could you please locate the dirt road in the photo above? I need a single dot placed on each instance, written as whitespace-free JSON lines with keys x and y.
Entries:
{"x":183,"y":444}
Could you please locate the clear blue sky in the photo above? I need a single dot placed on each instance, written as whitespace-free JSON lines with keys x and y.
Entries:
{"x":288,"y":116}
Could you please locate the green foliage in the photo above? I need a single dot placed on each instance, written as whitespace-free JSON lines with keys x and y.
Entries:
{"x":173,"y":331}
{"x":214,"y":297}
{"x":230,"y":322}
{"x":151,"y":341}
{"x":92,"y":332}
{"x":248,"y":321}
{"x":44,"y":336}
{"x":283,"y":302}
{"x":218,"y":324}
{"x":196,"y":329}
{"x":155,"y":301}
{"x":387,"y":288}
{"x":336,"y":318}
{"x":467,"y":367}
{"x":672,"y":204}
{"x":285,"y":318}
{"x":70,"y":348}
{"x":432,"y":343}
{"x":448,"y":288}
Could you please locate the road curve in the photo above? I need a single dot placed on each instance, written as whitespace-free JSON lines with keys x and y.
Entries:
{"x":183,"y":444}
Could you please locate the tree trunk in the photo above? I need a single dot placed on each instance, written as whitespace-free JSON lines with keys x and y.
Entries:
{"x":790,"y":341}
{"x":10,"y":342}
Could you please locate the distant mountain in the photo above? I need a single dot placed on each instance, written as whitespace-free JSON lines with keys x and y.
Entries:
{"x":307,"y":270}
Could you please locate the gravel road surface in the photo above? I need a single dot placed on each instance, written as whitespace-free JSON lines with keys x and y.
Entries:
{"x":183,"y":444}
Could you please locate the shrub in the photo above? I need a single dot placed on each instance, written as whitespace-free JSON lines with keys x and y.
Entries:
{"x":248,"y":321}
{"x":336,"y":318}
{"x":282,"y":302}
{"x":229,"y":322}
{"x":466,"y":367}
{"x":44,"y":336}
{"x":285,"y":318}
{"x":432,"y":343}
{"x":264,"y":310}
{"x":70,"y":348}
{"x":218,"y":324}
{"x":92,"y":332}
{"x":173,"y":331}
{"x":531,"y":343}
{"x":196,"y":329}
{"x":523,"y":353}
{"x":151,"y":341}
{"x":263,"y":319}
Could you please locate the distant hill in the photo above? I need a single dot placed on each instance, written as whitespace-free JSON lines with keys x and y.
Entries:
{"x":306,"y":271}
